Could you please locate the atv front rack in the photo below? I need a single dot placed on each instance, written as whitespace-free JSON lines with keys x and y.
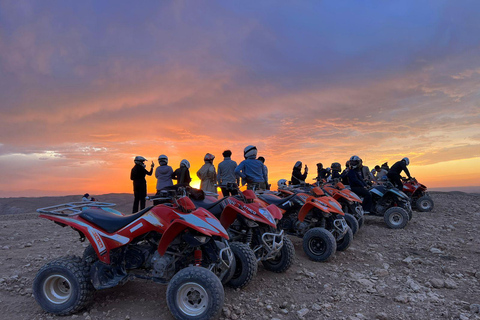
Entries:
{"x":73,"y":208}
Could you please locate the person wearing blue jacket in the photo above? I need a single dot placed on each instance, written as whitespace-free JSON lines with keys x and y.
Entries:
{"x":252,"y":170}
{"x":357,"y":184}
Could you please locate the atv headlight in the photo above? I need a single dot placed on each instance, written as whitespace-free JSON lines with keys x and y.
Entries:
{"x":267,"y":215}
{"x":201,"y":239}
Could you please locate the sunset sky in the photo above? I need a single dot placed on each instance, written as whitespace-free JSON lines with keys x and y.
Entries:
{"x":85,"y":86}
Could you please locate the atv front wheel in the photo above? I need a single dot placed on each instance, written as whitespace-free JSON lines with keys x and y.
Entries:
{"x":396,"y":218}
{"x":63,"y":286}
{"x":284,"y":258}
{"x":352,"y":223}
{"x":319,"y":244}
{"x":245,"y":265}
{"x":195,"y":293}
{"x":346,"y":241}
{"x":424,"y":204}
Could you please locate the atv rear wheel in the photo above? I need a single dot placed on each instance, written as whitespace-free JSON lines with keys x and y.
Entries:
{"x":195,"y":293}
{"x":396,"y":218}
{"x":352,"y":223}
{"x":89,"y":256}
{"x":346,"y":241}
{"x":424,"y":204}
{"x":284,"y":258}
{"x":63,"y":286}
{"x":319,"y":244}
{"x":245,"y":265}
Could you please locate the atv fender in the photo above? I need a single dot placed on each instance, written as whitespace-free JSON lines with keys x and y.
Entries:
{"x":229,"y":215}
{"x":275,"y":212}
{"x":309,"y":205}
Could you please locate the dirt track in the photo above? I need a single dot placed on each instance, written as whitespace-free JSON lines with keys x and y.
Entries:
{"x":430,"y":270}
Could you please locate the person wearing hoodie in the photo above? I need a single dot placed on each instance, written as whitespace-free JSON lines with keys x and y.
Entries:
{"x":137,"y":175}
{"x":251,"y":170}
{"x":182,"y":174}
{"x":226,"y":173}
{"x":207,"y":174}
{"x":358,"y":185}
{"x":163,"y":173}
{"x":394,"y":173}
{"x":297,"y":176}
{"x":322,"y":173}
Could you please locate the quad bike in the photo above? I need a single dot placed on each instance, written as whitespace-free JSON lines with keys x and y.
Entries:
{"x":348,"y":200}
{"x":419,"y":197}
{"x":392,"y":204}
{"x":255,"y":227}
{"x":321,"y":225}
{"x":172,"y":243}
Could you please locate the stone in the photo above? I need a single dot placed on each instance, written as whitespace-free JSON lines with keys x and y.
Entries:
{"x":414,"y":286}
{"x":316,"y":307}
{"x":436,"y":251}
{"x":402,"y":298}
{"x":269,"y":307}
{"x":450,"y":284}
{"x":475,"y":308}
{"x":381,"y":316}
{"x":303,"y":312}
{"x":366,"y":282}
{"x":437,"y":283}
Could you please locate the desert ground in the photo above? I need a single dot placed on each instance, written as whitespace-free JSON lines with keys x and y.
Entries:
{"x":429,"y":270}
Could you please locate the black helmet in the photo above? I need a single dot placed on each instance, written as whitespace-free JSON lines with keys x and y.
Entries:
{"x":354,"y":161}
{"x":336,"y":166}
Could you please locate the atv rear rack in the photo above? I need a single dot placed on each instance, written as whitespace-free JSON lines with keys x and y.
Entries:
{"x":72,"y":208}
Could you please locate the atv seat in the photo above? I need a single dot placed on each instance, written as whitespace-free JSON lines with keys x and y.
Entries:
{"x":271,"y":199}
{"x":214,"y":207}
{"x":108,"y":221}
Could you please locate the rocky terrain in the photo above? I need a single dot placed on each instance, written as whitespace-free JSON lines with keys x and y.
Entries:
{"x":429,"y":270}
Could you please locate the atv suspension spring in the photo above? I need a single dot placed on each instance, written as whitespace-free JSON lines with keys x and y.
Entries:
{"x":198,"y":257}
{"x":249,"y":236}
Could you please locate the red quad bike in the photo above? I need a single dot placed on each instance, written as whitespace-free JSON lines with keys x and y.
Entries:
{"x":339,"y":197}
{"x":321,"y":225}
{"x":253,"y":233}
{"x":418,"y":195}
{"x":350,"y":202}
{"x":170,"y":243}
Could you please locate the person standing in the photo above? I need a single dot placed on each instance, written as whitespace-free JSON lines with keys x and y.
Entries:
{"x":138,"y":174}
{"x":163,"y":173}
{"x":322,"y":173}
{"x":262,"y":159}
{"x":394,"y":173}
{"x":207,"y":174}
{"x":226,"y":173}
{"x":251,"y":170}
{"x":182,"y":174}
{"x":366,"y":173}
{"x":297,"y":176}
{"x":357,"y":184}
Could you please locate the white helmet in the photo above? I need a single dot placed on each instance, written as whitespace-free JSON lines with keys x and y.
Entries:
{"x":139,"y":160}
{"x":282,"y":183}
{"x":354,"y":161}
{"x":162,"y":159}
{"x":407,"y":161}
{"x":185,"y":163}
{"x":250,"y":151}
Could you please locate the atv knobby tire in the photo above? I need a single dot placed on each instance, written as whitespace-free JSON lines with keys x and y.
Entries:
{"x":245,"y":265}
{"x":63,"y":286}
{"x":319,"y":244}
{"x":284,"y":259}
{"x":195,"y":293}
{"x":346,"y":241}
{"x":352,"y":223}
{"x":424,"y":204}
{"x":396,"y":218}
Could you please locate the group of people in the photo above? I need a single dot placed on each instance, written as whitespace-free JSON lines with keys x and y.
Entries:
{"x":251,"y":171}
{"x":358,"y":176}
